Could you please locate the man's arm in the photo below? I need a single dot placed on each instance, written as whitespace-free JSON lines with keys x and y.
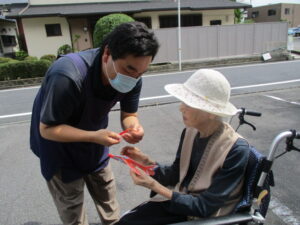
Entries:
{"x":66,"y":133}
{"x":60,"y":103}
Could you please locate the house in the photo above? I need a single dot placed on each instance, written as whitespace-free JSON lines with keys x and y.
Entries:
{"x":275,"y":13}
{"x":8,"y":30}
{"x":47,"y":25}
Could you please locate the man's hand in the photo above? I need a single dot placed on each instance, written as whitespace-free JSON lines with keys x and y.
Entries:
{"x":137,"y":155}
{"x":106,"y":137}
{"x":134,"y":135}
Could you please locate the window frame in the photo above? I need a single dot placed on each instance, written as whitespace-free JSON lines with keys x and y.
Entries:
{"x":272,"y":12}
{"x":187,"y":20}
{"x":9,"y":40}
{"x":146,"y":20}
{"x":55,"y":33}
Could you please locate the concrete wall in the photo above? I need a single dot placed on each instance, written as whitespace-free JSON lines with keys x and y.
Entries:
{"x":225,"y":15}
{"x":38,"y":43}
{"x":55,"y":2}
{"x":220,"y":41}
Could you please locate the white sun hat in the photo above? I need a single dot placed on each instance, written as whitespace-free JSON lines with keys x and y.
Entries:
{"x":207,"y":90}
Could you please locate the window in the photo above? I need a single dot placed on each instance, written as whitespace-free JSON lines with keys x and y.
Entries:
{"x":8,"y":40}
{"x":216,"y":22}
{"x":191,"y":20}
{"x":287,"y":11}
{"x":271,"y":12}
{"x":168,"y":21}
{"x":53,"y":30}
{"x":145,"y":20}
{"x":255,"y":14}
{"x":186,"y":20}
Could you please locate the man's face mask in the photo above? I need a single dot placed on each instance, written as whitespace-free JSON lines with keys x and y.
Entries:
{"x":122,"y":83}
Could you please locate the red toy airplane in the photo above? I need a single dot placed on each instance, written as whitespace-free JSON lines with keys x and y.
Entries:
{"x":133,"y":164}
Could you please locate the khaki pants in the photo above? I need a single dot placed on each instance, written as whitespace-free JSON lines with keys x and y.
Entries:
{"x":68,"y":197}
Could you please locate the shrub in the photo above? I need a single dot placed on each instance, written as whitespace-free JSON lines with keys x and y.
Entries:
{"x":23,"y":69}
{"x":64,"y":49}
{"x":49,"y":57}
{"x":21,"y":55}
{"x":106,"y":24}
{"x":30,"y":58}
{"x":6,"y":60}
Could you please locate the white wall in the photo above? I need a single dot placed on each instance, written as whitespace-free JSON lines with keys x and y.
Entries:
{"x":55,"y":2}
{"x":38,"y":43}
{"x":226,"y":15}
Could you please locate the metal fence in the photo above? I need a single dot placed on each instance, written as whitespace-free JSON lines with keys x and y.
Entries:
{"x":221,"y":41}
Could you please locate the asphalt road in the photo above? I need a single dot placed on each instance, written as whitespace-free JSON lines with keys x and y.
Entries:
{"x":24,"y":199}
{"x":16,"y":104}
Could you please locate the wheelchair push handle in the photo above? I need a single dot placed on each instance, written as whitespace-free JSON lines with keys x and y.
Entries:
{"x":289,"y":136}
{"x":252,"y":113}
{"x":241,"y":115}
{"x":245,"y":111}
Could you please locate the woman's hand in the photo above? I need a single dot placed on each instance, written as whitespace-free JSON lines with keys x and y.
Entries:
{"x":134,"y":135}
{"x":137,"y":155}
{"x":146,"y":181}
{"x":143,"y":179}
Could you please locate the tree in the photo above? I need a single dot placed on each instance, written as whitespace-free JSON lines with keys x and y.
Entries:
{"x":238,"y":15}
{"x":106,"y":24}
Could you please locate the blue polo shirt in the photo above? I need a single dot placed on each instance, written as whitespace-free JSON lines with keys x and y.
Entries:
{"x":82,"y":101}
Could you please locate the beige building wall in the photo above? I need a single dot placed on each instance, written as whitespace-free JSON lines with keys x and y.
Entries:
{"x":226,"y":16}
{"x":263,"y":13}
{"x":38,"y":43}
{"x":293,"y":17}
{"x":56,"y":2}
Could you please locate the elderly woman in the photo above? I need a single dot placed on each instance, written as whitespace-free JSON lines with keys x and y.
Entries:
{"x":206,"y":178}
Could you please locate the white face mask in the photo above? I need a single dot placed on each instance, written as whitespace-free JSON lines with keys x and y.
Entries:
{"x":122,"y":83}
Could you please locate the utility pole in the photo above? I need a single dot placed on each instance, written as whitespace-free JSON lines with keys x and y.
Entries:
{"x":179,"y":35}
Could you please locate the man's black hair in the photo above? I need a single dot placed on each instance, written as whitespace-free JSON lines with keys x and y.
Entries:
{"x":132,"y":38}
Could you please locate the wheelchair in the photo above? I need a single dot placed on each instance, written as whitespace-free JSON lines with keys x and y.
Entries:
{"x":253,"y":207}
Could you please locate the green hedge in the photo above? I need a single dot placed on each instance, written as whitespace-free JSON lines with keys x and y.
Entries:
{"x":6,"y":60}
{"x":49,"y":57}
{"x":106,"y":24}
{"x":23,"y":69}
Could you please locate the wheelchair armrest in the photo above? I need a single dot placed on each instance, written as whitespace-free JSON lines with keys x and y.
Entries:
{"x":229,"y":219}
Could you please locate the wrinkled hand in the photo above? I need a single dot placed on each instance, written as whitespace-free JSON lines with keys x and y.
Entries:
{"x":137,"y":155}
{"x":143,"y":179}
{"x":106,"y":137}
{"x":134,"y":135}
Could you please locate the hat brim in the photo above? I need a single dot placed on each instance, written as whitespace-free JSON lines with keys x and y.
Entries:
{"x":180,"y":92}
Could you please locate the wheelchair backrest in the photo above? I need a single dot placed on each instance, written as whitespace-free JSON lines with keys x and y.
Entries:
{"x":251,"y":191}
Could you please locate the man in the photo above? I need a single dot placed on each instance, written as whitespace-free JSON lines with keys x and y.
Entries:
{"x":70,"y":116}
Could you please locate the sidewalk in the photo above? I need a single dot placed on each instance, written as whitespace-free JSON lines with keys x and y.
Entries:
{"x":280,"y":55}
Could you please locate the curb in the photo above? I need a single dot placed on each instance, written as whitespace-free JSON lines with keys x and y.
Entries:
{"x":171,"y":67}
